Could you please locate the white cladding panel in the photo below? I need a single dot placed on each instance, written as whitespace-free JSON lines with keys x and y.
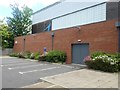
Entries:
{"x":90,"y":15}
{"x":60,"y":9}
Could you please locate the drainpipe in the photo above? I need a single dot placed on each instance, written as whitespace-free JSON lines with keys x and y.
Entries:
{"x":118,"y":28}
{"x":52,"y":34}
{"x":119,"y":39}
{"x":24,"y":44}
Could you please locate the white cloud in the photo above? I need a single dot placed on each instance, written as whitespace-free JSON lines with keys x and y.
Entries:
{"x":1,"y":17}
{"x":33,"y":4}
{"x":47,"y":2}
{"x":29,"y":3}
{"x":6,"y":3}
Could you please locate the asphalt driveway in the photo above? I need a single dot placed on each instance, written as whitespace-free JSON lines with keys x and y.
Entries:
{"x":20,"y":72}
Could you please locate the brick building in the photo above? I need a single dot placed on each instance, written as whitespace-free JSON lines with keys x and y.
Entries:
{"x":78,"y":28}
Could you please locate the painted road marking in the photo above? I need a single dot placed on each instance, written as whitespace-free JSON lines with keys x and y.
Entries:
{"x":67,"y":66}
{"x":32,"y":60}
{"x":31,"y":85}
{"x":63,"y":65}
{"x":26,"y":66}
{"x":1,"y":65}
{"x":51,"y":86}
{"x":17,"y":64}
{"x":12,"y":63}
{"x":69,"y":72}
{"x":38,"y":70}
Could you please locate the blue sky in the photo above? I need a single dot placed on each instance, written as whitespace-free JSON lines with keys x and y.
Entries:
{"x":5,"y":10}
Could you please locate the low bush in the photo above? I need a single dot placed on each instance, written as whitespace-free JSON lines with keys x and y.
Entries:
{"x":95,"y":54}
{"x":27,"y":54}
{"x":21,"y":55}
{"x":104,"y":62}
{"x":37,"y":56}
{"x":56,"y":56}
{"x":13,"y":55}
{"x":32,"y":56}
{"x":42,"y":58}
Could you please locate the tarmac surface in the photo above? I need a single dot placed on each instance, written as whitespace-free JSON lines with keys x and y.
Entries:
{"x":18,"y":73}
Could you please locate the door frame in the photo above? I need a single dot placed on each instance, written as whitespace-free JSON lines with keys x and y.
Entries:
{"x":77,"y":43}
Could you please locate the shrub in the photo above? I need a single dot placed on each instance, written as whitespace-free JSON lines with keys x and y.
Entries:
{"x":88,"y":58}
{"x":37,"y":56}
{"x":95,"y":54}
{"x":32,"y":56}
{"x":21,"y":55}
{"x":56,"y":56}
{"x":27,"y":54}
{"x":13,"y":55}
{"x":104,"y":63}
{"x":117,"y":55}
{"x":42,"y":58}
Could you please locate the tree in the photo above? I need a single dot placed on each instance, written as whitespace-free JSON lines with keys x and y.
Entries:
{"x":20,"y":23}
{"x":6,"y":37}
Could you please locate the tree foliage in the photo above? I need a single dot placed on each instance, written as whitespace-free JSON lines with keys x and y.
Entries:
{"x":20,"y":23}
{"x":6,"y":37}
{"x":17,"y":25}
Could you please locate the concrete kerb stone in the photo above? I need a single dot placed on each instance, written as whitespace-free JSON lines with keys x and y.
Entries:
{"x":18,"y":58}
{"x":7,"y":57}
{"x":75,"y":66}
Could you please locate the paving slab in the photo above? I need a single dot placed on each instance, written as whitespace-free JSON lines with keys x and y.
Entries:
{"x":39,"y":85}
{"x":43,"y":85}
{"x":84,"y":78}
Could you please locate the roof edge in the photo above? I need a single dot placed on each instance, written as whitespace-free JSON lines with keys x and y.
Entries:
{"x":47,"y":7}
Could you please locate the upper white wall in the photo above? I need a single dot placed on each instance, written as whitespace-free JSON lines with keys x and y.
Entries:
{"x":60,"y":9}
{"x":86,"y":16}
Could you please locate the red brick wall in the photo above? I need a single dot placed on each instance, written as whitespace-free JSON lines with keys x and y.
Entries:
{"x":101,"y":36}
